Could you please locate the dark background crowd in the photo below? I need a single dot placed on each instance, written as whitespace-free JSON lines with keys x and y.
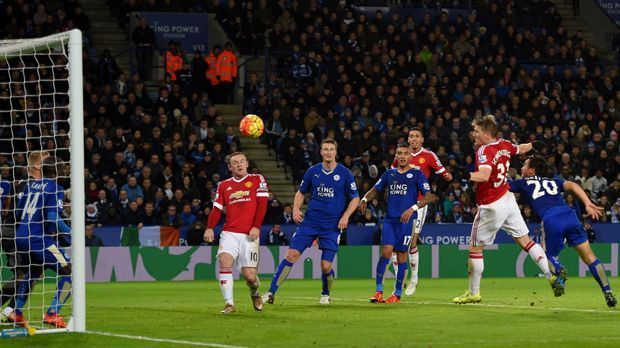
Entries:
{"x":363,"y":79}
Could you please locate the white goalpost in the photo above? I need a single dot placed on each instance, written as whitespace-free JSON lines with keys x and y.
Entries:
{"x":41,"y":109}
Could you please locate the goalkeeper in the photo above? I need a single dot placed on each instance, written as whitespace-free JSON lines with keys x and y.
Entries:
{"x":41,"y":206}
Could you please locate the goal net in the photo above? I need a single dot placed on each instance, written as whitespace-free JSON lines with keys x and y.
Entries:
{"x":41,"y":115}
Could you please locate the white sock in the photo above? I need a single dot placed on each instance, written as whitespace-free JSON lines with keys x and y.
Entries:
{"x":7,"y":311}
{"x":254,"y":287}
{"x":537,"y":254}
{"x":414,"y":261}
{"x":394,"y":263}
{"x":476,"y":267}
{"x":226,"y":286}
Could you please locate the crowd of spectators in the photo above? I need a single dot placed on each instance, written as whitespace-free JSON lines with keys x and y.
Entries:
{"x":364,"y":80}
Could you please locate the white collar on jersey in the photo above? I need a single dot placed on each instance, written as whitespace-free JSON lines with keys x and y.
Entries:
{"x":240,"y":180}
{"x":417,"y":153}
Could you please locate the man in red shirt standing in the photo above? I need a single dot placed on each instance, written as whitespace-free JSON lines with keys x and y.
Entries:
{"x":423,"y":160}
{"x":244,"y":196}
{"x":497,"y":207}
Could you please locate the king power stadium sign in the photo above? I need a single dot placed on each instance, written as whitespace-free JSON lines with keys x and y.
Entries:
{"x":126,"y":264}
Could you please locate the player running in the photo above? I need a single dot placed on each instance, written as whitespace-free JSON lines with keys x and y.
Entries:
{"x":497,"y":207}
{"x":244,"y":197}
{"x":560,"y":222}
{"x":405,"y":185}
{"x":40,"y":206}
{"x":330,"y":186}
{"x":424,"y":160}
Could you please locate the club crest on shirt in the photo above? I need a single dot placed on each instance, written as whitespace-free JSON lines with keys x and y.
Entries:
{"x":336,"y":177}
{"x":422,"y":160}
{"x":248,"y":184}
{"x":409,"y":176}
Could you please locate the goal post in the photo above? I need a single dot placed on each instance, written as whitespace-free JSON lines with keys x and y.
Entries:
{"x":45,"y":79}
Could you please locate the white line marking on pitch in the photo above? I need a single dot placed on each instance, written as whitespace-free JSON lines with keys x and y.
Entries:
{"x":163,"y":340}
{"x":582,"y":310}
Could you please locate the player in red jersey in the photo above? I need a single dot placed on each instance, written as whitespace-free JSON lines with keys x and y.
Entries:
{"x":244,"y":196}
{"x":497,"y":207}
{"x":423,"y":160}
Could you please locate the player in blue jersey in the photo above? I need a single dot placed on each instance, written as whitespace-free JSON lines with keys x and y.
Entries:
{"x":40,"y":207}
{"x":560,"y":222}
{"x":330,"y":185}
{"x":403,"y":185}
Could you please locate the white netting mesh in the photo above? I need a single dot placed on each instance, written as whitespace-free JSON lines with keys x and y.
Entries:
{"x":34,"y":120}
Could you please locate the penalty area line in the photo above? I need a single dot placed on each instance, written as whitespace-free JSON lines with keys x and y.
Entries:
{"x":429,"y":303}
{"x":161,"y":340}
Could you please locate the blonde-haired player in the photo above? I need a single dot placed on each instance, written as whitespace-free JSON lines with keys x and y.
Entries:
{"x":497,"y":207}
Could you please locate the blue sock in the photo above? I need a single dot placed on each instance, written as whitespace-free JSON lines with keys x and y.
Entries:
{"x":598,"y":272}
{"x":327,"y":280}
{"x":284,"y":268}
{"x":400,"y":276}
{"x":381,"y":266}
{"x":63,"y":291}
{"x":21,"y":293}
{"x":554,"y":264}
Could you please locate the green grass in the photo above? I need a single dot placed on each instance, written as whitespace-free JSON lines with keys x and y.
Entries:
{"x":514,"y":312}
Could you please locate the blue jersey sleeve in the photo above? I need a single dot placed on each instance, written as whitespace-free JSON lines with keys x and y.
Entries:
{"x":382,"y":182}
{"x":516,"y":185}
{"x":422,"y":183}
{"x":351,"y":186}
{"x":560,"y":183}
{"x":306,"y":182}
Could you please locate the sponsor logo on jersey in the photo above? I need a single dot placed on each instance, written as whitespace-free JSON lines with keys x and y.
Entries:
{"x":248,"y":184}
{"x":229,"y":188}
{"x":324,"y":191}
{"x":336,"y":177}
{"x":239,"y":194}
{"x":398,"y":189}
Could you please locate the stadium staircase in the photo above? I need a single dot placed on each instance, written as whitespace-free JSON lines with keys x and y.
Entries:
{"x":106,"y":33}
{"x":573,"y":23}
{"x":282,"y":188}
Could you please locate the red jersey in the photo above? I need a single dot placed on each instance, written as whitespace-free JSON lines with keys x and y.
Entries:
{"x":424,"y":160}
{"x":239,"y":197}
{"x":496,"y":156}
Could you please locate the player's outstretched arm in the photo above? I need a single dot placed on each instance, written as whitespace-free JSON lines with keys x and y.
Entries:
{"x":298,"y":216}
{"x":367,"y":197}
{"x":344,"y":220}
{"x":592,"y":209}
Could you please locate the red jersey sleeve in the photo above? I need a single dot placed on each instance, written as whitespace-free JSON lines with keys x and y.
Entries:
{"x":484,"y":157}
{"x":262,"y":190}
{"x":513,"y":148}
{"x":435,"y":163}
{"x":394,"y":163}
{"x":219,"y":200}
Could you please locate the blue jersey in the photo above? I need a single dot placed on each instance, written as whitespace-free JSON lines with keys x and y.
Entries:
{"x":35,"y":203}
{"x":5,"y":193}
{"x":403,"y":189}
{"x":542,"y":194}
{"x":329,"y":193}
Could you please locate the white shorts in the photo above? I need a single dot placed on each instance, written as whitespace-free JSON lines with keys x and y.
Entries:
{"x":240,"y":247}
{"x":503,"y":213}
{"x":419,"y":221}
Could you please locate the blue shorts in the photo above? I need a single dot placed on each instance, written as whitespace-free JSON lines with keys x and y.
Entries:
{"x":396,"y":233}
{"x":49,"y":257}
{"x":563,"y":226}
{"x":305,"y":236}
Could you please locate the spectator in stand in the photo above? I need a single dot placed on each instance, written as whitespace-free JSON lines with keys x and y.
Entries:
{"x":132,"y":189}
{"x":276,"y":236}
{"x":143,"y":38}
{"x":171,"y":218}
{"x":132,"y":215}
{"x":92,"y":215}
{"x":187,"y":217}
{"x":91,"y":240}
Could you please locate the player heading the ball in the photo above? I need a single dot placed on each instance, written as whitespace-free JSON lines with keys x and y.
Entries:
{"x":330,"y":185}
{"x":244,"y":197}
{"x":497,"y":207}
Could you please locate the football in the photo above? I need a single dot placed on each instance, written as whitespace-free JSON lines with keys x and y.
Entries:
{"x":251,"y":126}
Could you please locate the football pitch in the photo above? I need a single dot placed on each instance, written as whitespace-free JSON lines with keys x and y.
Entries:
{"x":514,"y":312}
